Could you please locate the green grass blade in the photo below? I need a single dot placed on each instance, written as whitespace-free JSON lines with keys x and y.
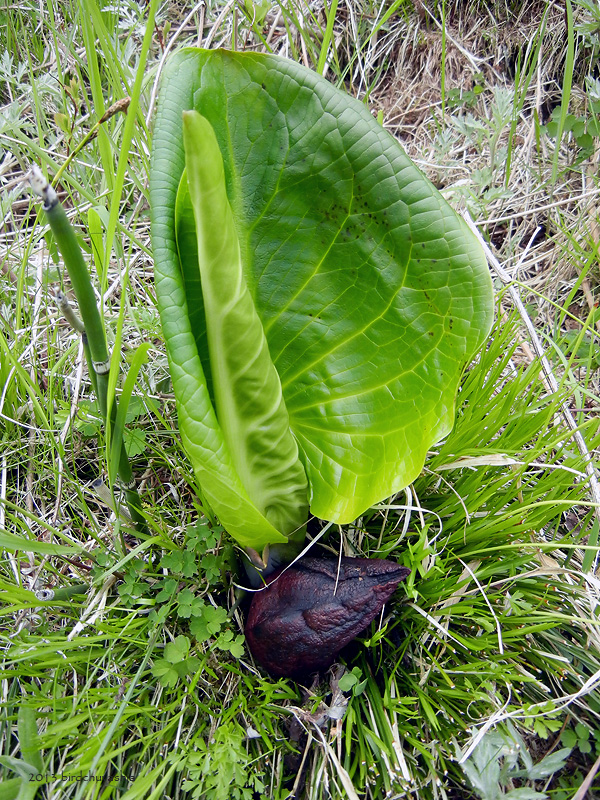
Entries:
{"x":128,"y":131}
{"x":566,"y":87}
{"x":327,"y":37}
{"x":28,"y":737}
{"x":138,"y":360}
{"x":14,"y":544}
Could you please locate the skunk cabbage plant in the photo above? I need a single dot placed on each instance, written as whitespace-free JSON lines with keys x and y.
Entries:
{"x":319,"y":298}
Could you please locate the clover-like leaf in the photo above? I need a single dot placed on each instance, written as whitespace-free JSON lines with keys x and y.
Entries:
{"x":208,"y":623}
{"x":226,"y":642}
{"x":167,"y":590}
{"x":177,"y":650}
{"x":189,"y":605}
{"x":165,"y":672}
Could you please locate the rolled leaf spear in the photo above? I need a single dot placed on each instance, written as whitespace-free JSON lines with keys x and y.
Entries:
{"x":90,"y":327}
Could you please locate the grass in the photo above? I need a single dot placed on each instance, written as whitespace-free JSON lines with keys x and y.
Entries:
{"x":483,"y":678}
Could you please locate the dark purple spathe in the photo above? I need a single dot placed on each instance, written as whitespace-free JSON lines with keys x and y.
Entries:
{"x":312,"y":610}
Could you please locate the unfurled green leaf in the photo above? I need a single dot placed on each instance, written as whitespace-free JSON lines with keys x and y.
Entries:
{"x":165,"y":672}
{"x":135,"y":441}
{"x":550,"y":764}
{"x":371,"y":292}
{"x":215,"y":617}
{"x":199,"y":629}
{"x":569,"y":738}
{"x":189,"y":567}
{"x":347,"y":681}
{"x":135,"y":409}
{"x":582,"y":731}
{"x":257,"y":12}
{"x":63,"y":122}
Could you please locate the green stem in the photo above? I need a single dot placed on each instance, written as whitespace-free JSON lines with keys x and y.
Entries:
{"x":90,"y":363}
{"x":260,"y":566}
{"x":77,"y":325}
{"x":96,"y":350}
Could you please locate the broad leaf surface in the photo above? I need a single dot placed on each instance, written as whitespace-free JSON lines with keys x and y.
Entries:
{"x":372,"y":293}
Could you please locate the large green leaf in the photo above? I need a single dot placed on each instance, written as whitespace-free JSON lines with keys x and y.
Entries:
{"x":372,"y":293}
